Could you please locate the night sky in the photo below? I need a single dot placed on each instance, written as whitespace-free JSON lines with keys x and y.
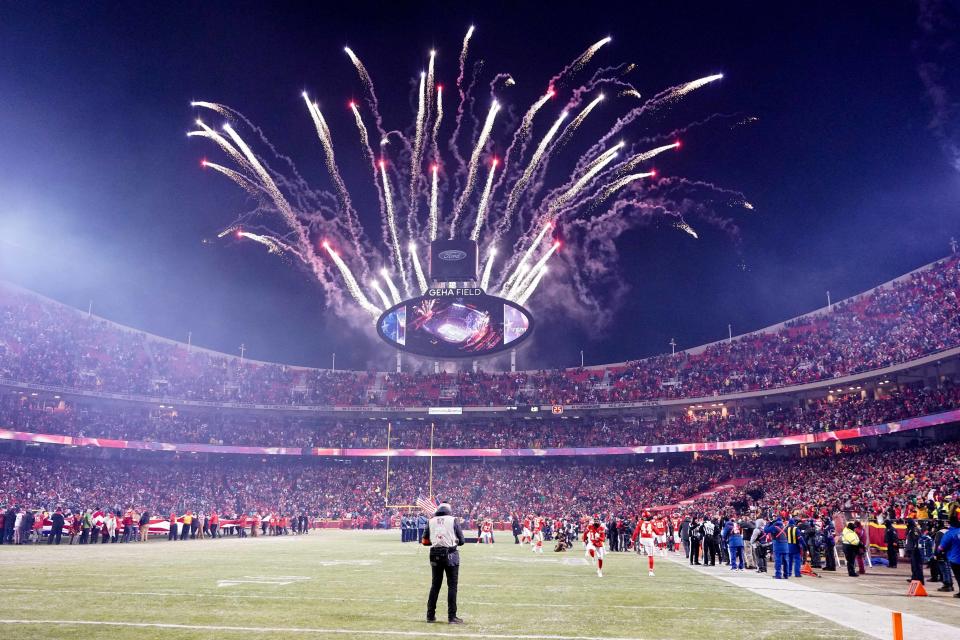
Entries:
{"x":102,"y":197}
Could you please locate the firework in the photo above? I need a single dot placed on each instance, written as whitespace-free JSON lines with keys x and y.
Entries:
{"x":472,"y":167}
{"x":484,"y":201}
{"x":524,"y":281}
{"x":394,"y":292}
{"x":392,"y":221}
{"x":417,"y":269}
{"x":485,"y":279}
{"x":519,"y":186}
{"x":351,"y":282}
{"x":532,"y":165}
{"x":380,"y":292}
{"x":434,"y":212}
{"x":522,"y":300}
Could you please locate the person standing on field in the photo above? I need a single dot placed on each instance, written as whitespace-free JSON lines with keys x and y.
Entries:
{"x":443,"y":535}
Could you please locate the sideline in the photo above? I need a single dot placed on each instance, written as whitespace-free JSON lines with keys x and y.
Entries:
{"x":869,"y":619}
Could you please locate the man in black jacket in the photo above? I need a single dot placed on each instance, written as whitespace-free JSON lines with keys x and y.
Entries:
{"x":892,"y":540}
{"x":696,"y":536}
{"x":56,"y":526}
{"x":6,"y":536}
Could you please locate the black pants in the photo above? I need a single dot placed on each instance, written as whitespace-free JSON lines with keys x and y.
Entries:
{"x":830,"y":558}
{"x":760,"y":554}
{"x":453,"y":576}
{"x":916,"y":566}
{"x":172,"y":534}
{"x":54,"y":533}
{"x":850,"y":554}
{"x":892,"y":556}
{"x":710,"y":552}
{"x":694,"y":551}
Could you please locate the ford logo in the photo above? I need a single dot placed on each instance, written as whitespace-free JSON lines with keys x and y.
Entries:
{"x":451,"y":255}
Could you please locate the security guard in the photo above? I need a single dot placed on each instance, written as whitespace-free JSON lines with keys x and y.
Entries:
{"x":443,"y":536}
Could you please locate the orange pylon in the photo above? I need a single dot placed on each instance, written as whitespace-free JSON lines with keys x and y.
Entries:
{"x":807,"y":570}
{"x":916,"y":589}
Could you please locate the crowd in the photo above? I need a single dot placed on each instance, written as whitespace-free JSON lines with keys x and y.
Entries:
{"x":902,"y":483}
{"x":44,"y":342}
{"x":22,"y":412}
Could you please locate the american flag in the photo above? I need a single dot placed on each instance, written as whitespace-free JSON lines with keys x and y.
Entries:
{"x":427,"y":505}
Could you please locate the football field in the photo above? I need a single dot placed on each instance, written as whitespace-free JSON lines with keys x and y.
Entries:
{"x":367,"y":584}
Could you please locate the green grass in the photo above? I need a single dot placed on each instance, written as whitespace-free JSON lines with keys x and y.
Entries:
{"x":369,"y":581}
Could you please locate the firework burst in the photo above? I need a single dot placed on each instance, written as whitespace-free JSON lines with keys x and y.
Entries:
{"x":522,"y":203}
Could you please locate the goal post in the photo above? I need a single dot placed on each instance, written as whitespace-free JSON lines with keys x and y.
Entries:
{"x":386,"y":490}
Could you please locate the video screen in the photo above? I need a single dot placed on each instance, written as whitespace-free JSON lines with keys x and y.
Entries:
{"x":454,"y":327}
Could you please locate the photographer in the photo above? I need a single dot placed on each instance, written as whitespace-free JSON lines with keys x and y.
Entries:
{"x":443,"y":536}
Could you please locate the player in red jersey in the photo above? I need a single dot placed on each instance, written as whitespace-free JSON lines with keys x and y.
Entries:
{"x":537,"y":539}
{"x":643,"y":538}
{"x":660,"y":535}
{"x":527,"y":535}
{"x":594,"y":536}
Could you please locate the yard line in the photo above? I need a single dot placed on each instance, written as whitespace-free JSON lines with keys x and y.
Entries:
{"x":536,"y":605}
{"x":359,"y":632}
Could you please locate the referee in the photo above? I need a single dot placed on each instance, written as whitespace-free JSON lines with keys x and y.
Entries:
{"x":443,"y":536}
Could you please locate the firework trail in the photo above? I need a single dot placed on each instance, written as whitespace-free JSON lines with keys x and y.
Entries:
{"x":394,"y":292}
{"x":683,"y":226}
{"x":392,"y":222}
{"x":368,"y":150}
{"x":531,"y":167}
{"x":434,"y":213}
{"x":668,"y":96}
{"x":417,"y":155}
{"x":430,"y":84}
{"x":523,"y":282}
{"x":522,"y":300}
{"x":351,"y":282}
{"x":617,"y":185}
{"x":575,"y":124}
{"x":508,"y":289}
{"x":484,"y":201}
{"x":522,"y":135}
{"x":223,"y":143}
{"x":243,"y":181}
{"x":485,"y":279}
{"x":580,"y":62}
{"x":517,"y":186}
{"x":472,"y":167}
{"x":546,"y":228}
{"x":417,"y":269}
{"x":272,"y":244}
{"x":371,"y":94}
{"x":691,"y":86}
{"x":213,"y":106}
{"x":434,"y":146}
{"x":630,"y":164}
{"x":458,"y":120}
{"x":592,"y":170}
{"x":343,"y":195}
{"x":383,"y":295}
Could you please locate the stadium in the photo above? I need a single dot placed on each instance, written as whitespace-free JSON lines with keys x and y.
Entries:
{"x":800,"y":479}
